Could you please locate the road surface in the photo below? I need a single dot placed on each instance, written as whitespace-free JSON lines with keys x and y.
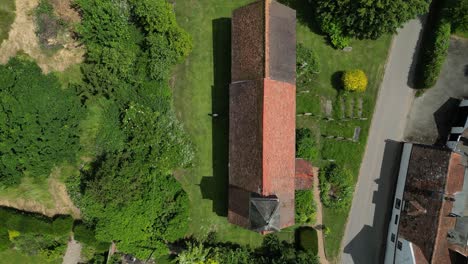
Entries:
{"x":365,"y":231}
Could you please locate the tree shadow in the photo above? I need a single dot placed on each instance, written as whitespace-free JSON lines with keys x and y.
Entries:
{"x":418,"y":58}
{"x":335,"y":80}
{"x":368,"y":246}
{"x":305,"y":12}
{"x":215,"y":187}
{"x":443,"y":118}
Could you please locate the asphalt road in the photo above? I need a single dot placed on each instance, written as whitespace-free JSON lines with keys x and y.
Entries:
{"x":366,"y":228}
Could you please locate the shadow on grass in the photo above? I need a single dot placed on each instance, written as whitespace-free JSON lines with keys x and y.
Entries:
{"x":368,"y":246}
{"x":215,"y":187}
{"x":335,"y":80}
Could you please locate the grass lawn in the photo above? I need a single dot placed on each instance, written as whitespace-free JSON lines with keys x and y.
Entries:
{"x":31,"y":189}
{"x":7,"y":16}
{"x":12,"y":256}
{"x":201,"y":87}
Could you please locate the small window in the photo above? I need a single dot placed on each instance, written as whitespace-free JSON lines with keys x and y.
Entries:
{"x":393,"y":238}
{"x":396,"y":219}
{"x":399,"y":245}
{"x":397,"y":203}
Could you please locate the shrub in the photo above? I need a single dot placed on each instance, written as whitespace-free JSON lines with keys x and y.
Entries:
{"x":336,"y":36}
{"x":62,"y":225}
{"x":435,"y":54}
{"x":336,"y":187}
{"x":307,"y":65}
{"x":306,"y":208}
{"x":354,"y":80}
{"x":12,"y":234}
{"x":306,"y":145}
{"x":86,"y":235}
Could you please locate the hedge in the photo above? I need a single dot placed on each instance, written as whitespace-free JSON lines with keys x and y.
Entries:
{"x":23,"y":222}
{"x":306,"y":207}
{"x":435,"y":55}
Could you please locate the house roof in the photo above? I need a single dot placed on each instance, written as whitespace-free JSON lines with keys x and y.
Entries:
{"x":262,"y":110}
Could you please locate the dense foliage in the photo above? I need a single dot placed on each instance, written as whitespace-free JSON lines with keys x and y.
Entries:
{"x":364,"y":18}
{"x":336,"y":186}
{"x":34,"y":234}
{"x":272,"y":251}
{"x":354,"y":81}
{"x":435,"y":54}
{"x":459,"y":15}
{"x":127,"y":194}
{"x":305,"y":206}
{"x":39,"y":122}
{"x":306,"y":145}
{"x":435,"y":44}
{"x":307,"y":65}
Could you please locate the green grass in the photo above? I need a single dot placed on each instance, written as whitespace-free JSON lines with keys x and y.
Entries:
{"x":193,"y":102}
{"x":7,"y":16}
{"x":199,"y":90}
{"x":308,"y":239}
{"x":11,"y":256}
{"x":35,"y":189}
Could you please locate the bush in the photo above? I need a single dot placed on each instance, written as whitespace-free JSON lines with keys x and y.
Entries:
{"x":307,"y":65}
{"x":354,"y":80}
{"x":306,"y":208}
{"x":435,"y":54}
{"x":336,"y":36}
{"x":86,"y":235}
{"x":336,"y":187}
{"x":306,"y":145}
{"x":12,"y":234}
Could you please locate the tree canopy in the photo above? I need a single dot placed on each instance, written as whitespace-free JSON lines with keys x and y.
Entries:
{"x":367,"y":18}
{"x":39,"y":122}
{"x":128,"y":193}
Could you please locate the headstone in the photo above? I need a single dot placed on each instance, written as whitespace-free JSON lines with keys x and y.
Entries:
{"x":357,"y":131}
{"x":328,"y":107}
{"x":348,"y":49}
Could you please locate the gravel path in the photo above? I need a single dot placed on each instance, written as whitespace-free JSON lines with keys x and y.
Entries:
{"x":73,"y":253}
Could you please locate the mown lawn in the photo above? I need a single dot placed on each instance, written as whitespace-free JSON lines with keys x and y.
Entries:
{"x":7,"y":16}
{"x":201,"y":87}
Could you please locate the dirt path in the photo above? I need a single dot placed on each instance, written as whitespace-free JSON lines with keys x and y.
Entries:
{"x":319,"y":221}
{"x":73,"y":253}
{"x":22,"y":37}
{"x":63,"y":205}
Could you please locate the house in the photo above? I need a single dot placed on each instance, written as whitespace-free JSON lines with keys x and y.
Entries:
{"x":429,"y":221}
{"x":459,"y":124}
{"x":262,"y":117}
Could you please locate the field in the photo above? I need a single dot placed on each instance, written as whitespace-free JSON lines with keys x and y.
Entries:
{"x":7,"y":16}
{"x":11,"y":256}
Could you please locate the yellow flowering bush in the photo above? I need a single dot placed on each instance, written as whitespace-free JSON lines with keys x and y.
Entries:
{"x":12,"y":234}
{"x":355,"y":81}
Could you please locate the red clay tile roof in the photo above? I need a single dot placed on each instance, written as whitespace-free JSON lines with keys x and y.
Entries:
{"x":304,"y":174}
{"x":262,"y":111}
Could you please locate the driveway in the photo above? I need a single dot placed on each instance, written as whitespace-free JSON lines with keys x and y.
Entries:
{"x":366,"y":229}
{"x":429,"y":119}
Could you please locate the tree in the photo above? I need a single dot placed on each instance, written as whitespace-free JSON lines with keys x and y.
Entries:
{"x":367,"y":18}
{"x":38,"y":122}
{"x":354,"y":81}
